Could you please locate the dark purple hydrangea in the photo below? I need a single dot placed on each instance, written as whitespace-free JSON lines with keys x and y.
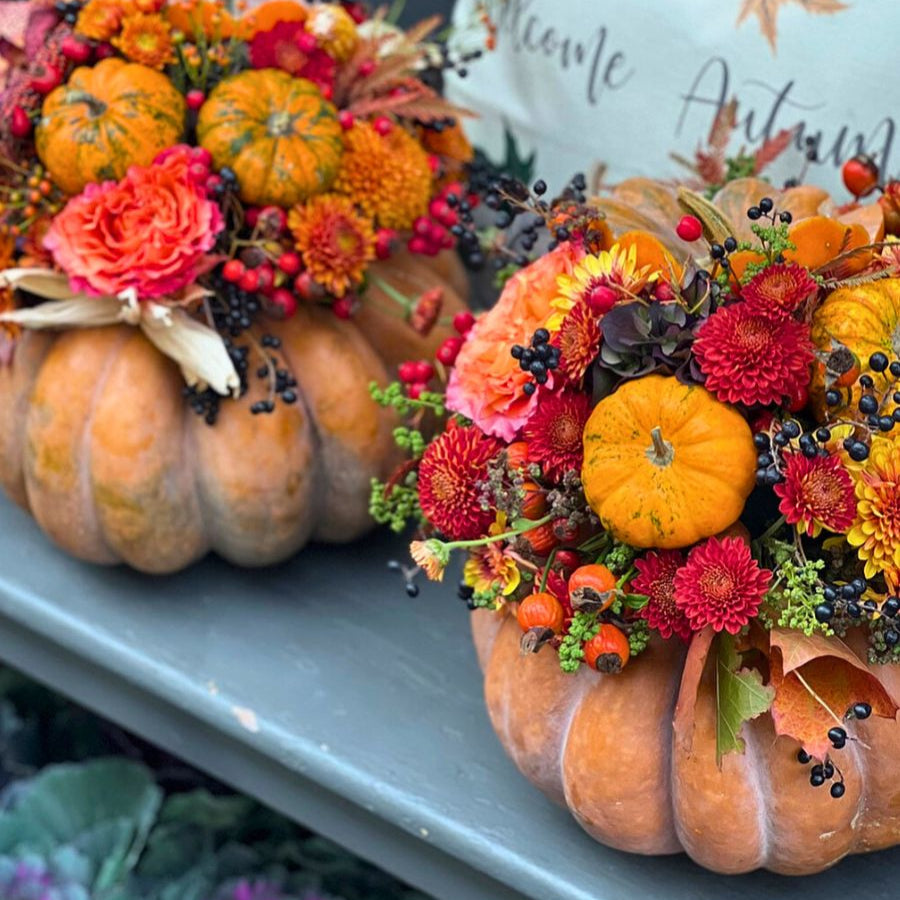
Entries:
{"x":33,"y":878}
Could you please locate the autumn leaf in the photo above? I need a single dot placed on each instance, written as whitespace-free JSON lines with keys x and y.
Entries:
{"x":771,"y":149}
{"x":740,"y":697}
{"x":816,"y":680}
{"x":767,"y":13}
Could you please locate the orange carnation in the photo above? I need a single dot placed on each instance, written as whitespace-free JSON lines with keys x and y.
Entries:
{"x":487,"y":384}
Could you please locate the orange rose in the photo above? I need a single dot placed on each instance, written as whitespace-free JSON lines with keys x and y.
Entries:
{"x":150,"y":232}
{"x":487,"y":384}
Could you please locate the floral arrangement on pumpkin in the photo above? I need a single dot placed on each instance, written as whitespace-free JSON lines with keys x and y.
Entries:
{"x":682,"y":432}
{"x":171,"y":165}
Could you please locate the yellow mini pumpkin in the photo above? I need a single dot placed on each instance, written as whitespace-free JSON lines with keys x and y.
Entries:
{"x":666,"y":464}
{"x":277,"y":132}
{"x":864,"y":319}
{"x":104,"y":119}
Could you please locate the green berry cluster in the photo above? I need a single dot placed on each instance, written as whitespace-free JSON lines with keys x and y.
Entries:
{"x":639,"y":636}
{"x":397,"y":505}
{"x":410,"y":439}
{"x":395,"y":397}
{"x":797,"y":591}
{"x":619,"y":557}
{"x":583,"y":627}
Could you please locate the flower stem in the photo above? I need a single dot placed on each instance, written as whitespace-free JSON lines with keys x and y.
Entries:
{"x":482,"y":542}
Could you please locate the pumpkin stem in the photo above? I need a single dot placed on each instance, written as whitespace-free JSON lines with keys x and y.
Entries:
{"x":662,"y":452}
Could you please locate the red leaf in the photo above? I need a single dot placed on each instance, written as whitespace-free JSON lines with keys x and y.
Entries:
{"x":772,"y":149}
{"x":816,"y":680}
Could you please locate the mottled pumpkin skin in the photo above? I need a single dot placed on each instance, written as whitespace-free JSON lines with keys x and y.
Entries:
{"x":277,"y":132}
{"x":866,"y":319}
{"x":98,"y":444}
{"x":698,"y":491}
{"x":633,"y":757}
{"x":104,"y":119}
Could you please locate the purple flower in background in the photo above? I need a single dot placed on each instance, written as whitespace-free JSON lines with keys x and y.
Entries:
{"x":252,"y":890}
{"x":32,"y":878}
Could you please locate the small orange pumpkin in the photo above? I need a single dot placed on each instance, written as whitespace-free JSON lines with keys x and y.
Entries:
{"x":666,"y":464}
{"x":277,"y":132}
{"x":104,"y":119}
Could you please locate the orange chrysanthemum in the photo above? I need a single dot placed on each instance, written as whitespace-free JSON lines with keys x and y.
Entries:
{"x":334,"y":240}
{"x":387,"y":176}
{"x":146,"y":39}
{"x":196,"y":18}
{"x":578,"y":340}
{"x":100,"y":20}
{"x":876,"y":531}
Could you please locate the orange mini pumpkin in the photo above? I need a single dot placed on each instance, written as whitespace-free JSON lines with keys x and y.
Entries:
{"x":277,"y":132}
{"x":97,"y":442}
{"x":666,"y":464}
{"x":104,"y":119}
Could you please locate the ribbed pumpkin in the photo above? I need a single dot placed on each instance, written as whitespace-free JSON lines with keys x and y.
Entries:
{"x":104,"y":119}
{"x":865,"y":319}
{"x":633,"y":757}
{"x":98,"y":443}
{"x":277,"y":132}
{"x":666,"y":464}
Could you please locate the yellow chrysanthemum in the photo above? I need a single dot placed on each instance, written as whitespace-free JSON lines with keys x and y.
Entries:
{"x":335,"y":242}
{"x":876,"y":531}
{"x":334,"y":29}
{"x":386,"y":176}
{"x":146,"y":39}
{"x":100,"y":20}
{"x":615,"y":268}
{"x":490,"y":568}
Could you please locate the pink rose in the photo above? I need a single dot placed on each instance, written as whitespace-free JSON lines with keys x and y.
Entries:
{"x":151,"y":231}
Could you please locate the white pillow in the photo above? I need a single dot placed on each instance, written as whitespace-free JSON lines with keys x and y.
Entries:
{"x":627,"y":83}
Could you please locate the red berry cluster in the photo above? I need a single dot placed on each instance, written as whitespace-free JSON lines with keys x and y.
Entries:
{"x":416,"y":374}
{"x":434,"y":232}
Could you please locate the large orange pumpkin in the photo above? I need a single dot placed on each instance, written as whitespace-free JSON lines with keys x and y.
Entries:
{"x":633,"y":757}
{"x":865,"y":319}
{"x":104,"y":119}
{"x":277,"y":132}
{"x":98,"y":443}
{"x":666,"y":464}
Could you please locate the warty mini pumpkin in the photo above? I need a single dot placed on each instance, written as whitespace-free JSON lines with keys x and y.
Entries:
{"x":97,"y":442}
{"x":277,"y":132}
{"x":105,"y":119}
{"x":863,"y":320}
{"x":666,"y":464}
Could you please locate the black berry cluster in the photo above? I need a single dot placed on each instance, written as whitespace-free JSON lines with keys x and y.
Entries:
{"x":538,"y":360}
{"x":790,"y":437}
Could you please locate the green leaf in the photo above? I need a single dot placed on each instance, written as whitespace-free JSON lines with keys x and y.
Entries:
{"x":206,"y":810}
{"x":740,"y":697}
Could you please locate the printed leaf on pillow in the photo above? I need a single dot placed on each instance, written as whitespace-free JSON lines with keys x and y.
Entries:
{"x":767,"y":13}
{"x":816,"y":681}
{"x":740,"y":697}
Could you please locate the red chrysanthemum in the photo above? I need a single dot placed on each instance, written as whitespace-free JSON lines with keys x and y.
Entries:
{"x":656,"y":579}
{"x":721,"y":585}
{"x":451,"y":472}
{"x":280,"y":48}
{"x":779,"y":291}
{"x":578,"y":340}
{"x":555,"y":433}
{"x":748,"y":358}
{"x":817,"y":493}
